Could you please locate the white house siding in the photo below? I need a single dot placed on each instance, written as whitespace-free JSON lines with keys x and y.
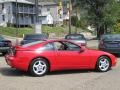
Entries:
{"x":49,"y":19}
{"x":26,"y":13}
{"x":53,"y":11}
{"x":46,"y":19}
{"x":7,"y":12}
{"x":23,"y":20}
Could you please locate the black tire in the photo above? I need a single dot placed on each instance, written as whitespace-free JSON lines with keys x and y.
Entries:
{"x":33,"y":69}
{"x":4,"y":53}
{"x":103,"y":64}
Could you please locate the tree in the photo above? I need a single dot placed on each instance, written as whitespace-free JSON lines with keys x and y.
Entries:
{"x":102,"y":14}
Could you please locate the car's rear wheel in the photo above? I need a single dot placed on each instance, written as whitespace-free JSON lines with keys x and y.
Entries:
{"x":39,"y":67}
{"x":103,"y":64}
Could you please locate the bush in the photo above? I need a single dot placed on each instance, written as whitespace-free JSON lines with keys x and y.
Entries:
{"x":117,"y":28}
{"x":75,"y":21}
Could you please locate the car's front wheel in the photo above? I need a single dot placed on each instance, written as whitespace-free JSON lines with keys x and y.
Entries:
{"x":103,"y":64}
{"x":39,"y":67}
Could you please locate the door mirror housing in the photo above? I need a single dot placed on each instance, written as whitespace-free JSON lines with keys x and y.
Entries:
{"x":82,"y":49}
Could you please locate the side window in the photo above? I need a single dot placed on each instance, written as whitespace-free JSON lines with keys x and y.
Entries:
{"x":49,"y":47}
{"x":2,"y":6}
{"x":58,"y":46}
{"x":66,"y":46}
{"x":3,"y":17}
{"x":72,"y":47}
{"x":48,"y":9}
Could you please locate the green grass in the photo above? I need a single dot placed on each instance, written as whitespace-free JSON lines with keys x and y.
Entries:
{"x":58,"y":31}
{"x":10,"y":31}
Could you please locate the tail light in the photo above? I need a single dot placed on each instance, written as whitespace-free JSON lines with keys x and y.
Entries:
{"x":12,"y":51}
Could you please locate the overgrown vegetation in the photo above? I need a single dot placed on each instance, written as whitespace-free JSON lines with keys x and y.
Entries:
{"x":102,"y":14}
{"x":117,"y":28}
{"x":58,"y":31}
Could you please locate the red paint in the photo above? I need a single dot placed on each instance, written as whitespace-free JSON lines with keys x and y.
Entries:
{"x":59,"y":60}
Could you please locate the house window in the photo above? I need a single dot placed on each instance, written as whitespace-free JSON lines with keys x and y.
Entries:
{"x":48,"y":9}
{"x":9,"y":10}
{"x":2,"y":6}
{"x":40,"y":11}
{"x":3,"y":17}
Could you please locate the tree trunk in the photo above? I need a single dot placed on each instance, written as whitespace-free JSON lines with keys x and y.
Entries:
{"x":100,"y":31}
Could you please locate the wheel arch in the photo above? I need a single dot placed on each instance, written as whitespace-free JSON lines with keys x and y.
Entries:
{"x":105,"y":56}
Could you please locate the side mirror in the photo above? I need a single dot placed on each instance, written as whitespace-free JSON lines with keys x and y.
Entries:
{"x":82,"y":50}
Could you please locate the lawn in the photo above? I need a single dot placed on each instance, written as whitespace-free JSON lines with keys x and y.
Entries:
{"x":58,"y":31}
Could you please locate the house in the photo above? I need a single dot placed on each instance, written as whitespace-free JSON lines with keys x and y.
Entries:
{"x":50,"y":8}
{"x":46,"y":18}
{"x":23,"y":13}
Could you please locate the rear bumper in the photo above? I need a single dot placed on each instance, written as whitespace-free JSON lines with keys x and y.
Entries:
{"x":15,"y":63}
{"x":10,"y":60}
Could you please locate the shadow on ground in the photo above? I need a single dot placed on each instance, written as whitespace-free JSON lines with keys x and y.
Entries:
{"x":117,"y":55}
{"x":13,"y":72}
{"x":70,"y":72}
{"x":1,"y":55}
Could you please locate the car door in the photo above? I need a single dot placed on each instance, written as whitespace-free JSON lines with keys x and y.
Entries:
{"x":71,"y":57}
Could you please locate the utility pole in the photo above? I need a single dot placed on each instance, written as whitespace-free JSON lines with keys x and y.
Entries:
{"x":36,"y":11}
{"x":70,"y":8}
{"x":76,"y":20}
{"x":17,"y":21}
{"x":37,"y":22}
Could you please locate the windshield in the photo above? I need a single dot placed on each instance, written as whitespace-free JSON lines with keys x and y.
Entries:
{"x":111,"y":37}
{"x":75,"y":37}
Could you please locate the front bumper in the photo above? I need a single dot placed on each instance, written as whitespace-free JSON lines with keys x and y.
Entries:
{"x":114,"y":62}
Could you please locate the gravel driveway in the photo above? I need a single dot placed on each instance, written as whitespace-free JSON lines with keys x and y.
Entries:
{"x":11,"y":79}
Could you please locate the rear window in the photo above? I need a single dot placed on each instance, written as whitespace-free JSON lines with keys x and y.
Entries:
{"x":32,"y":43}
{"x":30,"y":37}
{"x":110,"y":37}
{"x":75,"y":37}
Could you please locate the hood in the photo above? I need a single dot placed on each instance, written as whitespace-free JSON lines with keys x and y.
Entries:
{"x":94,"y":51}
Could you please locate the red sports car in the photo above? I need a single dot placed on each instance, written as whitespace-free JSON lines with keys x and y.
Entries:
{"x":42,"y":56}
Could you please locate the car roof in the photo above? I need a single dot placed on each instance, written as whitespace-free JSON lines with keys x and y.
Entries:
{"x":74,"y":34}
{"x":34,"y":34}
{"x":53,"y":40}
